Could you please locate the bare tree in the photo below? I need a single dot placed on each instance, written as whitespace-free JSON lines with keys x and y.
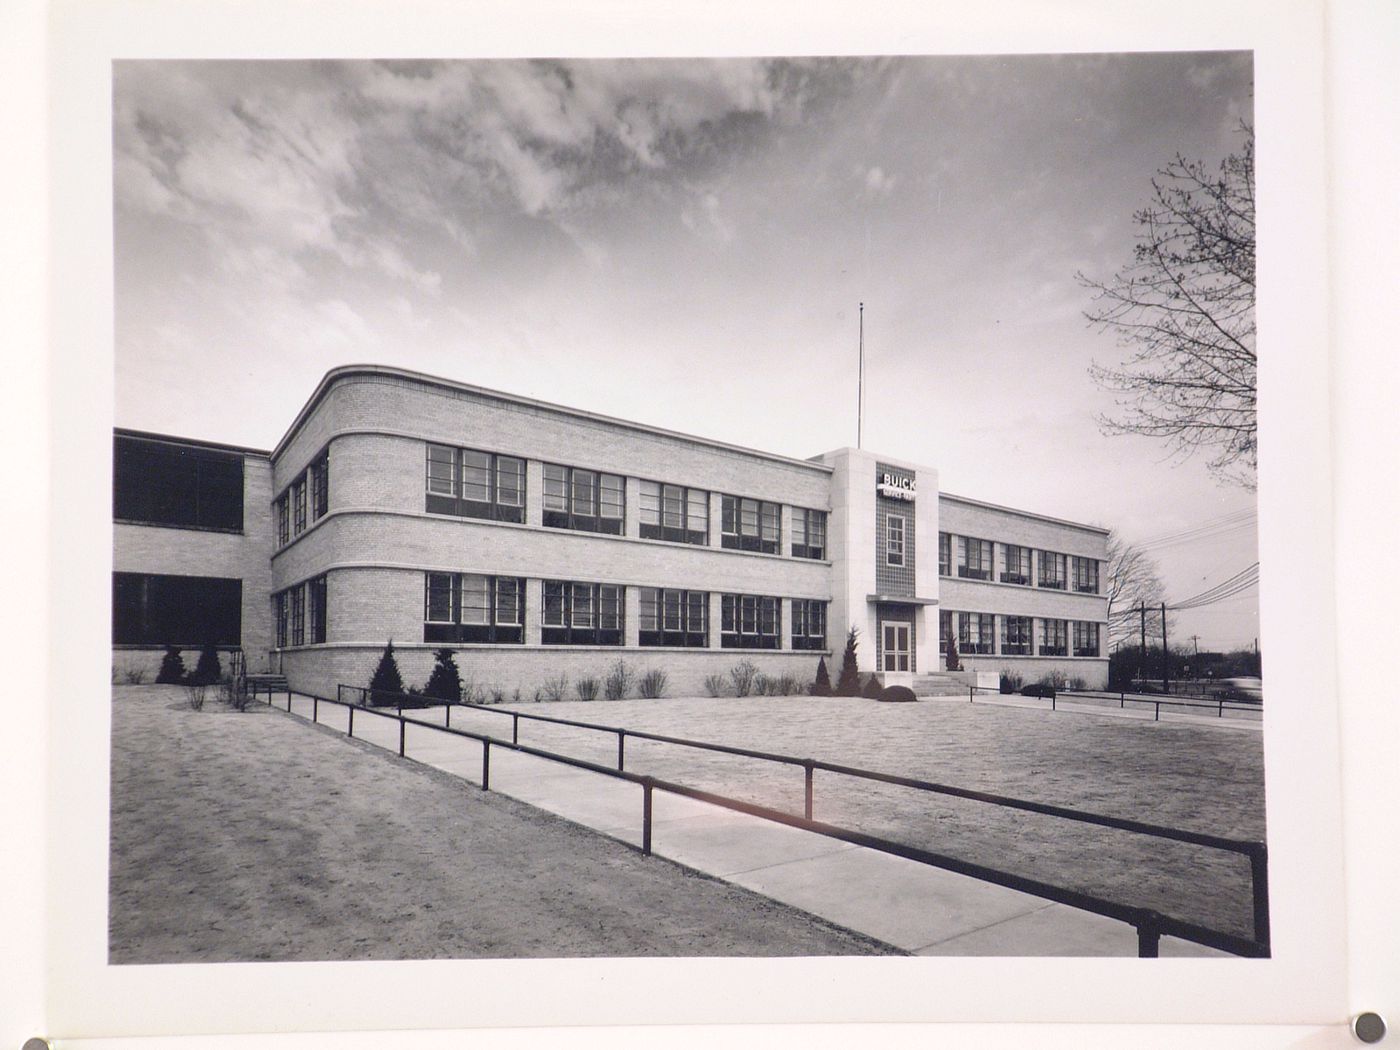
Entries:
{"x":1184,"y":306}
{"x":1131,"y":583}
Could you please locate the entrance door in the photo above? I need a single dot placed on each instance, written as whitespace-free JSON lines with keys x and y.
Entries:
{"x":896,"y":646}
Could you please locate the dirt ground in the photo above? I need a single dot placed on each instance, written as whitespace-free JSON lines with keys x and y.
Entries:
{"x":240,"y":836}
{"x":1206,"y":779}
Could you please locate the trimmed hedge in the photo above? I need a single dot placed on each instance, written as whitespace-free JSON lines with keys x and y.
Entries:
{"x":898,"y":694}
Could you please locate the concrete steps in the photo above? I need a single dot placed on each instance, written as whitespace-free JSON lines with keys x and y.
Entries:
{"x":946,"y":683}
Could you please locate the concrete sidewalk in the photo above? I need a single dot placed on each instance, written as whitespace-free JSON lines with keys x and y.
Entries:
{"x":1140,"y":711}
{"x":923,"y":910}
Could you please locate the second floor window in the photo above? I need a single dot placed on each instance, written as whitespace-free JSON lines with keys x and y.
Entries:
{"x":976,"y":632}
{"x":974,"y":558}
{"x":474,"y":484}
{"x":583,"y":499}
{"x":674,"y":617}
{"x":1052,"y":571}
{"x":1086,"y":638}
{"x":1016,"y":638}
{"x":1052,"y":638}
{"x":1017,"y":565}
{"x":808,"y":623}
{"x":894,"y":539}
{"x":1086,"y":575}
{"x":464,"y":607}
{"x":284,"y":524}
{"x":581,"y":614}
{"x":320,"y":477}
{"x":750,"y":525}
{"x":749,"y":621}
{"x":299,"y":507}
{"x":945,"y":554}
{"x":808,"y":533}
{"x":675,"y":513}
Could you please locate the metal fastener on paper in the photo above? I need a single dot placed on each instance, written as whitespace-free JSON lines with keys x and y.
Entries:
{"x":36,"y":1043}
{"x":1369,"y":1027}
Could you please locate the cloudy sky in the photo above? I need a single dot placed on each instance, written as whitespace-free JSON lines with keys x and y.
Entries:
{"x":683,"y":243}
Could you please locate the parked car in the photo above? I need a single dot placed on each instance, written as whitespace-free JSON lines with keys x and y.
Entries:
{"x":1248,"y":690}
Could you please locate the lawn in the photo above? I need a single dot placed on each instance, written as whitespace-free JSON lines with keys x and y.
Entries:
{"x":240,"y":836}
{"x":1201,"y":778}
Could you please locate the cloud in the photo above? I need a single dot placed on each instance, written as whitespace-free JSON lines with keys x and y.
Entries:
{"x":707,"y":220}
{"x":877,"y":183}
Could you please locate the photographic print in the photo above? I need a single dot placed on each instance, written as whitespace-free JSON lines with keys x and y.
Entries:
{"x":742,"y":507}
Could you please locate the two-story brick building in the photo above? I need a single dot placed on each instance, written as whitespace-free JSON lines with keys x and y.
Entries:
{"x":541,"y":541}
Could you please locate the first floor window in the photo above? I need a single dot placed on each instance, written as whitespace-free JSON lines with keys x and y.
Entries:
{"x":974,"y":558}
{"x":1052,"y":638}
{"x":674,"y":617}
{"x":945,"y":629}
{"x":297,"y":616}
{"x":808,"y":533}
{"x":583,"y":499}
{"x":1016,"y":566}
{"x":466,"y":607}
{"x":316,"y":609}
{"x":750,"y":524}
{"x":808,"y":623}
{"x":1052,"y":571}
{"x":1016,"y":637}
{"x":749,"y":621}
{"x":581,"y":614}
{"x":1086,"y":638}
{"x":894,"y":539}
{"x":945,"y":554}
{"x":674,"y":513}
{"x":1086,"y":575}
{"x":184,"y":611}
{"x":975,"y":632}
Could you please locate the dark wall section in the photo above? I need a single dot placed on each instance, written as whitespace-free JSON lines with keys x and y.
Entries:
{"x":184,"y":611}
{"x":160,"y":483}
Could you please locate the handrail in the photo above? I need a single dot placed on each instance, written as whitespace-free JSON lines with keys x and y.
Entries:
{"x":1221,"y":705}
{"x":1145,"y":920}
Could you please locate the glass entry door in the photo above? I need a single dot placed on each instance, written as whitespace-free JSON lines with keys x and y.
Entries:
{"x":895,"y":650}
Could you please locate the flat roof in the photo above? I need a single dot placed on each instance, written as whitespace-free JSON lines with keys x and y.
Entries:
{"x":1023,"y":513}
{"x":171,"y":439}
{"x":345,"y":371}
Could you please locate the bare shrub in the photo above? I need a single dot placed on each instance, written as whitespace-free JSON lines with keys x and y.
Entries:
{"x":787,"y":685}
{"x":652,"y":685}
{"x":742,"y":677}
{"x":472,"y":691}
{"x":133,"y":676}
{"x":587,"y":688}
{"x":618,"y":682}
{"x":555,"y":689}
{"x":1056,"y":680}
{"x":498,"y":695}
{"x":195,"y":695}
{"x":716,"y":684}
{"x":1078,"y":684}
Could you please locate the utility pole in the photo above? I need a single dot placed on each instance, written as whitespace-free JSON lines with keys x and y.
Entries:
{"x":860,"y":383}
{"x":1166,"y":686}
{"x":1196,"y":645}
{"x":1142,"y":667}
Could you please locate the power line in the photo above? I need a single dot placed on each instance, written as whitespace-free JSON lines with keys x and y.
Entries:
{"x":1226,"y":519}
{"x":1236,"y":584}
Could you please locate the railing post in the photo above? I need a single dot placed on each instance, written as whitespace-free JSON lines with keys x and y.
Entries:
{"x":486,"y":764}
{"x":315,"y":707}
{"x":447,"y":718}
{"x":646,"y":816}
{"x":808,"y":808}
{"x":1156,"y":710}
{"x":515,"y":727}
{"x":1052,"y":701}
{"x":621,"y":736}
{"x":1149,"y":936}
{"x":350,"y":731}
{"x":969,"y":694}
{"x":1259,"y":877}
{"x":1220,"y":709}
{"x":402,"y":727}
{"x":289,"y":700}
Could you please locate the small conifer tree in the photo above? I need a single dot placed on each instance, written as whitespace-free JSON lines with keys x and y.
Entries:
{"x":387,"y":683}
{"x":822,"y":686}
{"x":208,"y":671}
{"x":873,"y":688}
{"x":953,"y":664}
{"x":848,"y":684}
{"x":445,"y":683}
{"x":172,"y":668}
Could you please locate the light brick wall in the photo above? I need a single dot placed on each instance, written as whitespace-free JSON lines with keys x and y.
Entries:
{"x":1094,"y":670}
{"x":189,"y":552}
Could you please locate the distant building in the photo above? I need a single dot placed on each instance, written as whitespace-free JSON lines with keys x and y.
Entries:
{"x":542,"y":541}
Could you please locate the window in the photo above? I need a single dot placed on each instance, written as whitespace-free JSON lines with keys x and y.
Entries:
{"x":808,"y":623}
{"x":1086,"y":575}
{"x":974,"y":558}
{"x":472,"y":484}
{"x":160,"y":483}
{"x":284,"y":525}
{"x":1016,"y":637}
{"x":976,"y":632}
{"x":184,"y":611}
{"x":1052,"y":571}
{"x":894,"y":539}
{"x":675,"y":513}
{"x":316,"y":609}
{"x":581,"y":614}
{"x":672,"y":617}
{"x":945,"y":554}
{"x":297,"y":616}
{"x":749,"y":621}
{"x":945,"y":628}
{"x":808,"y":533}
{"x":1052,"y":638}
{"x":750,"y":524}
{"x":298,"y":493}
{"x":1086,"y":638}
{"x":583,"y":499}
{"x":1017,"y":565}
{"x":464,"y":607}
{"x":320,"y":472}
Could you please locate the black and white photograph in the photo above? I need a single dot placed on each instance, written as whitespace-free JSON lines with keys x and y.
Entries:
{"x":729,"y":507}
